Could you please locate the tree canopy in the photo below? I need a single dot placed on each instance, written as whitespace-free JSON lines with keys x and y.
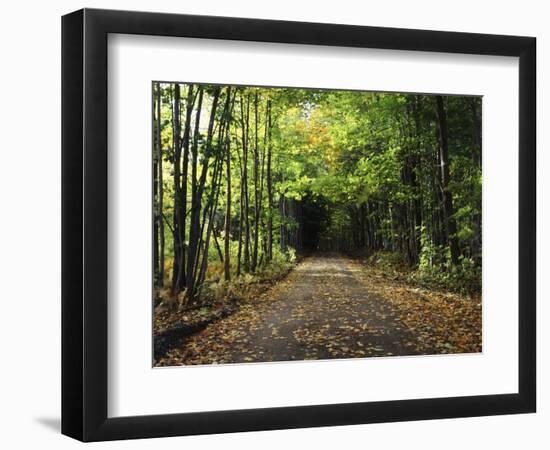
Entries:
{"x":246,"y":177}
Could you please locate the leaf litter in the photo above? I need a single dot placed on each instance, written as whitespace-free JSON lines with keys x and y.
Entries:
{"x":335,"y":307}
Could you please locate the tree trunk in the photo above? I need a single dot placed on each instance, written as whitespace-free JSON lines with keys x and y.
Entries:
{"x":241,"y":196}
{"x":182,"y":202}
{"x":245,"y":131}
{"x":212,"y":204}
{"x":256,"y":186}
{"x":158,"y":194}
{"x":447,"y":195}
{"x":176,"y":149}
{"x":227,"y":227}
{"x":195,"y":201}
{"x":209,"y":211}
{"x":475,"y":243}
{"x":476,"y":134}
{"x":269,"y":189}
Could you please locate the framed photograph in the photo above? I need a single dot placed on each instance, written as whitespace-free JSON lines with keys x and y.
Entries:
{"x":273,"y":225}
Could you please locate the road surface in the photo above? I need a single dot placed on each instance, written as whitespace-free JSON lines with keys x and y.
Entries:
{"x":323,"y":309}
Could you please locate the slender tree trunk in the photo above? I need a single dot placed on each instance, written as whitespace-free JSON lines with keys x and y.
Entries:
{"x":156,"y":244}
{"x":212,"y":204}
{"x":259,"y":221}
{"x":245,"y":131}
{"x":447,"y":194}
{"x":476,"y":135}
{"x":241,"y":196}
{"x":217,"y":244}
{"x":157,"y":173}
{"x":176,"y":149}
{"x":477,"y":158}
{"x":282,"y":212}
{"x":196,"y":271}
{"x":180,"y":189}
{"x":441,"y":233}
{"x":161,"y":189}
{"x":227,"y":228}
{"x":209,"y":211}
{"x":182,"y":202}
{"x":241,"y":216}
{"x":256,"y":186}
{"x":194,"y":206}
{"x":417,"y":192}
{"x":269,"y":190}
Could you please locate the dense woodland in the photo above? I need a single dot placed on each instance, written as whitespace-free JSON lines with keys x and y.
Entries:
{"x":245,"y":178}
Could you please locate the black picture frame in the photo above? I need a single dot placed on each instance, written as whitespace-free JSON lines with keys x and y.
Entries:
{"x":84,"y":224}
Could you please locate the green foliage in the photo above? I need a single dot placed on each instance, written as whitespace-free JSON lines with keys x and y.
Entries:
{"x":464,"y":279}
{"x":240,"y":286}
{"x":350,"y":171}
{"x":390,"y":261}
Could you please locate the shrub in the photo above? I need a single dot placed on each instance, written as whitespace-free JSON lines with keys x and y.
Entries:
{"x":463,"y":279}
{"x":240,"y":287}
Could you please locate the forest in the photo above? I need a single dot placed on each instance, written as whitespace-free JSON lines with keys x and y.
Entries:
{"x":253,"y":186}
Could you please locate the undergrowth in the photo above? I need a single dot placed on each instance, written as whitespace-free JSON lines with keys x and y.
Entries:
{"x":216,"y":290}
{"x":464,"y":279}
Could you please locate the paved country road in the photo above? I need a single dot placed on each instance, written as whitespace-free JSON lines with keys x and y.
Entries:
{"x":330,"y":307}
